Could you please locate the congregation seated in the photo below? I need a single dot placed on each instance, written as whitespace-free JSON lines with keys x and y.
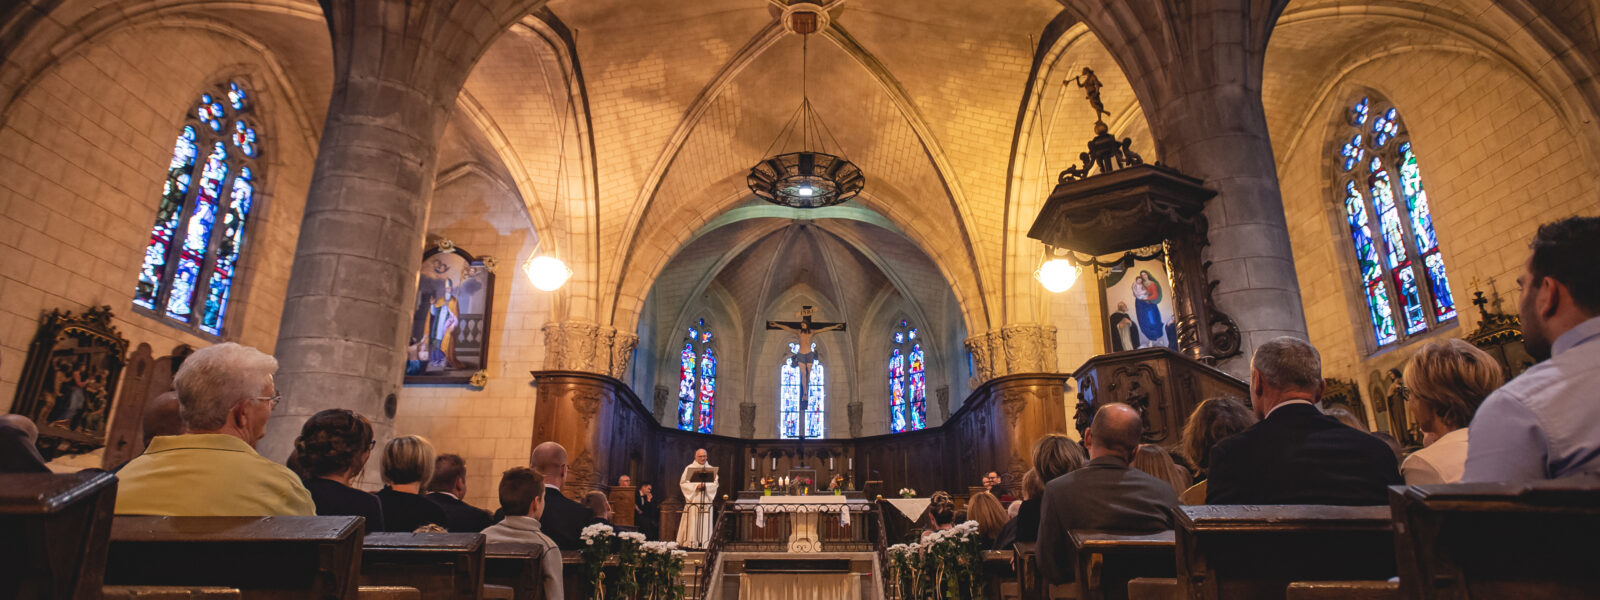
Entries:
{"x":1447,"y":381}
{"x":407,"y":462}
{"x":161,"y":417}
{"x":1104,"y":495}
{"x":226,"y":395}
{"x":563,"y":518}
{"x":1545,"y":424}
{"x":599,"y":507}
{"x":331,"y":452}
{"x":1296,"y":454}
{"x":647,"y":510}
{"x":990,"y":515}
{"x":1212,"y":421}
{"x":522,"y":500}
{"x":1155,"y":461}
{"x":19,"y":452}
{"x":941,"y":515}
{"x":993,"y":483}
{"x":1054,"y":455}
{"x":448,"y":488}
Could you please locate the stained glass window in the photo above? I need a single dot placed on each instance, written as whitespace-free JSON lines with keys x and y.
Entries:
{"x":697,"y":380}
{"x":1397,"y":252}
{"x":908,"y":383}
{"x":191,"y":259}
{"x":793,"y":419}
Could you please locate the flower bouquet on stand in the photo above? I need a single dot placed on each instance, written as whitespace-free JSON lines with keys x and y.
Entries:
{"x":805,"y":486}
{"x":767,"y":483}
{"x":837,"y":485}
{"x":908,"y":493}
{"x":660,"y":565}
{"x":596,"y":547}
{"x":628,"y":548}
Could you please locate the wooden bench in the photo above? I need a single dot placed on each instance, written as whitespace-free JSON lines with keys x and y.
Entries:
{"x":56,"y":527}
{"x":516,"y":566}
{"x":263,"y":557}
{"x":443,"y":566}
{"x":1104,"y":563}
{"x":1522,"y":541}
{"x":1254,"y":552}
{"x":1031,"y":582}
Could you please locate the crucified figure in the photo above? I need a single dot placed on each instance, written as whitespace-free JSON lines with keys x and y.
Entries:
{"x":804,"y":328}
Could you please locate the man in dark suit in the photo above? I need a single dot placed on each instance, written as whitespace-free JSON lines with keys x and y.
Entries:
{"x":1104,"y":495}
{"x":563,"y":519}
{"x":1296,"y":454}
{"x":447,"y":488}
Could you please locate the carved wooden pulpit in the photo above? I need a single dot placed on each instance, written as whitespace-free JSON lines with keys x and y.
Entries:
{"x":1164,"y":386}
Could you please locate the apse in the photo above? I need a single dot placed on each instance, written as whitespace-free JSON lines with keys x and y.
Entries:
{"x":707,"y":360}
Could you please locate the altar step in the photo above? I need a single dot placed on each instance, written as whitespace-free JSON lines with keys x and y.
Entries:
{"x":727,"y":579}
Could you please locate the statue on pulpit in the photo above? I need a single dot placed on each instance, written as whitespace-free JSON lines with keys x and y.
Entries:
{"x":699,"y":485}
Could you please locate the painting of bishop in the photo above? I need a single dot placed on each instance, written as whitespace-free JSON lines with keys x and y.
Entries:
{"x":1138,"y":300}
{"x":449,"y":337}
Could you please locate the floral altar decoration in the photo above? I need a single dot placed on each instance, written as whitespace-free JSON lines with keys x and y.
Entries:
{"x":945,"y":564}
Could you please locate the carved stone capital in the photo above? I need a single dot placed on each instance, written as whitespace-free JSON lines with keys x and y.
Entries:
{"x":588,"y":347}
{"x":1011,"y":350}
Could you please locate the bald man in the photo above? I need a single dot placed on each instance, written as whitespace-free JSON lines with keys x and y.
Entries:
{"x":563,"y":519}
{"x":1105,"y":494}
{"x":18,"y":450}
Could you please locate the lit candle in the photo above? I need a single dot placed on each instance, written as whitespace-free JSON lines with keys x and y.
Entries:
{"x":852,"y":463}
{"x":774,"y":463}
{"x":752,"y":463}
{"x":830,"y":463}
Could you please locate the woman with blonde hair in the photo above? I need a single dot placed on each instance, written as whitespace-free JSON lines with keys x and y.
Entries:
{"x":1447,"y":381}
{"x":1154,"y":460}
{"x":986,"y":509}
{"x":408,"y":462}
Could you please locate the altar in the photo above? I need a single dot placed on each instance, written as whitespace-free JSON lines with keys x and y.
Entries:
{"x":803,"y":514}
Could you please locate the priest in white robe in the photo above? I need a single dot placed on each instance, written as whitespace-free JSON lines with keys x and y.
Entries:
{"x":694,"y":529}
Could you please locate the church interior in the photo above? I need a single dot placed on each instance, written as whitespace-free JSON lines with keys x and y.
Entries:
{"x":642,"y":228}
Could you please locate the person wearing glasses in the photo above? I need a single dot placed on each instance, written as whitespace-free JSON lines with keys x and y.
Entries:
{"x":225,"y":395}
{"x":330,"y":453}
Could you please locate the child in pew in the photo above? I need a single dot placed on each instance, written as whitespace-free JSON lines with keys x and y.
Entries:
{"x":522,"y":500}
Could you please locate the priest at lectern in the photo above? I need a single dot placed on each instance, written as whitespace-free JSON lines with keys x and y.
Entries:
{"x":699,"y":484}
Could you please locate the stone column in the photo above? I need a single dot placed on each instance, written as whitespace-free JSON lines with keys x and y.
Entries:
{"x":398,"y":67}
{"x":1196,"y":68}
{"x":1011,"y":350}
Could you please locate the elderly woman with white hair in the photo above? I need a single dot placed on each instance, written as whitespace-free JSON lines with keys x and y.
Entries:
{"x":225,"y":396}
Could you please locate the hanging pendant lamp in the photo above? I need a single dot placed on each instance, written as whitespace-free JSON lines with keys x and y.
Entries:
{"x":810,"y":177}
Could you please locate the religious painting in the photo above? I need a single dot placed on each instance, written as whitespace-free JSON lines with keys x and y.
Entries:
{"x":449,"y":337}
{"x":1136,"y":296}
{"x":69,"y":380}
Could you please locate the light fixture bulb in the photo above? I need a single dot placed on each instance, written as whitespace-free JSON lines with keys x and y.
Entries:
{"x":805,"y":190}
{"x":1057,"y":275}
{"x":547,"y":273}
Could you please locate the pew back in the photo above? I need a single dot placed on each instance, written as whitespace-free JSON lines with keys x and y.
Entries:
{"x":1498,"y":541}
{"x":516,"y":566}
{"x":56,"y":526}
{"x":264,"y":557}
{"x":1105,"y":562}
{"x":1254,"y":552}
{"x":444,"y":566}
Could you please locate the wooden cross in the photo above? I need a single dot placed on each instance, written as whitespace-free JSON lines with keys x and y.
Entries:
{"x":804,"y":328}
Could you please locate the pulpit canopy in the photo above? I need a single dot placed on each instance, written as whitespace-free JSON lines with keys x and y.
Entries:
{"x":1131,"y":207}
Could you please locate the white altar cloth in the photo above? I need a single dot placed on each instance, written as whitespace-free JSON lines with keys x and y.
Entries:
{"x":911,"y":507}
{"x":802,"y":504}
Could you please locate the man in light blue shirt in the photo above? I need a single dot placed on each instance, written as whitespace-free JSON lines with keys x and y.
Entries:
{"x":1545,"y":424}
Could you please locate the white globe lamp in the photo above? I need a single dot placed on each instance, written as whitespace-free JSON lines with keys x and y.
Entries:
{"x":547,"y":273}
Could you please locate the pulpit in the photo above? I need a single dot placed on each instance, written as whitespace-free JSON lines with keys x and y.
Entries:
{"x":1163,"y":385}
{"x":622,"y":504}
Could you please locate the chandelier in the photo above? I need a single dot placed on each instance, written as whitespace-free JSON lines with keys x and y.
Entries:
{"x":810,"y":177}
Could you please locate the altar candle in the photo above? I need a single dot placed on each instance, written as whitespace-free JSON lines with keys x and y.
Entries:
{"x":774,"y":463}
{"x":830,"y":463}
{"x":852,"y":463}
{"x":752,"y":463}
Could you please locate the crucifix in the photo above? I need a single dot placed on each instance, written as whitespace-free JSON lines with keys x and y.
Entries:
{"x":806,"y":354}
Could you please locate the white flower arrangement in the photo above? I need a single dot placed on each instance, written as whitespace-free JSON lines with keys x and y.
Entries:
{"x":597,"y":531}
{"x":659,"y":547}
{"x":907,"y":492}
{"x":631,"y":535}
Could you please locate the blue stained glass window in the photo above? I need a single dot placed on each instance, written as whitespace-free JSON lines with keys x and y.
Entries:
{"x":192,"y":257}
{"x":697,"y":381}
{"x":1410,"y":279}
{"x":908,"y":388}
{"x":791,"y":417}
{"x":1358,"y":112}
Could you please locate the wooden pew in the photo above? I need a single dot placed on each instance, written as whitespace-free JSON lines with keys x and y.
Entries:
{"x":55,"y":530}
{"x":1104,"y":563}
{"x":443,"y":566}
{"x":264,"y":557}
{"x":1254,"y":552}
{"x":516,"y":566}
{"x":1031,"y":582}
{"x":1000,"y":578}
{"x":1525,"y":541}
